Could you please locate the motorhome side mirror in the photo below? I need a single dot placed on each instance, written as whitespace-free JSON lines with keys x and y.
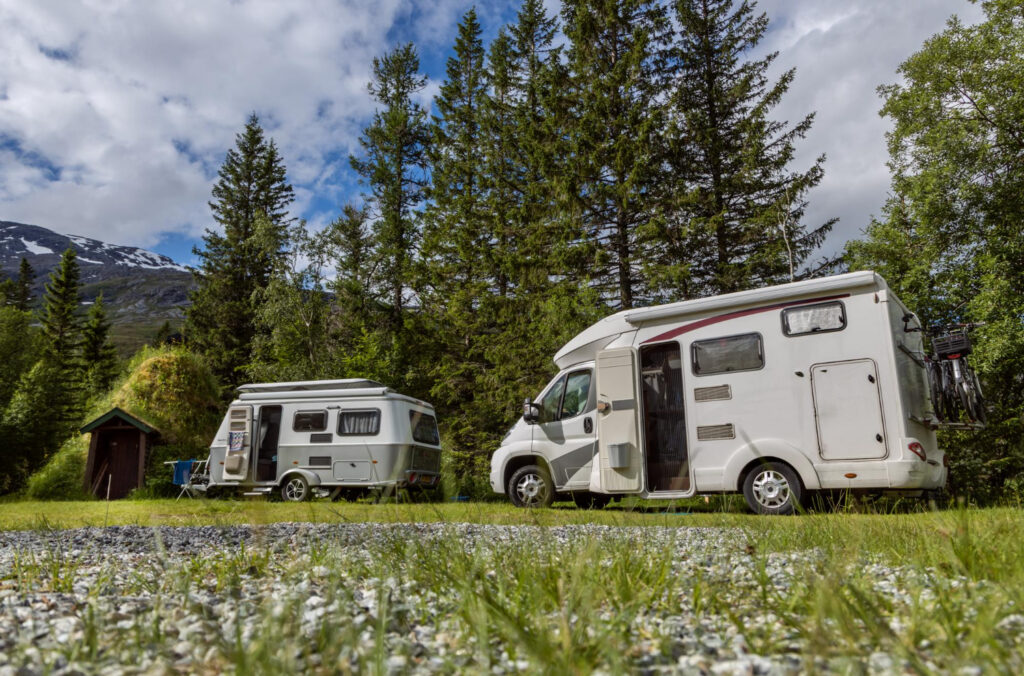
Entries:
{"x":531,"y":412}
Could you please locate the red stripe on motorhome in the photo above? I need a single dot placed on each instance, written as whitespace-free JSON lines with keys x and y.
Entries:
{"x":686,"y":328}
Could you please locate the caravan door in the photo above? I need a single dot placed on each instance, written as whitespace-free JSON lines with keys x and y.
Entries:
{"x":236,"y":458}
{"x":618,"y":437}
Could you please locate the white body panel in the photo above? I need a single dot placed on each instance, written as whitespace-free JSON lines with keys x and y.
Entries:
{"x":811,"y":404}
{"x":334,"y":433}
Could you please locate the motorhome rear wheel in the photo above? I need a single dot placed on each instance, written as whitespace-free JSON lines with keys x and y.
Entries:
{"x":772,"y":488}
{"x":531,"y":486}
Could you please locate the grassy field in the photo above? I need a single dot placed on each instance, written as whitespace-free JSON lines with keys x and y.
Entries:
{"x":842,"y":592}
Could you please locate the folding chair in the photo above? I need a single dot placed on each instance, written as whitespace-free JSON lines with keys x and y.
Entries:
{"x":183,"y":477}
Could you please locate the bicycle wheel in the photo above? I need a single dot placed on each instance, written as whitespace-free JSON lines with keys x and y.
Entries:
{"x":950,"y":396}
{"x":935,"y":390}
{"x":975,"y":401}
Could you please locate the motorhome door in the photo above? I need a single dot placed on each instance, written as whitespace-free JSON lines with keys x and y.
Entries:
{"x":618,"y":438}
{"x":848,"y":408}
{"x":236,"y":459}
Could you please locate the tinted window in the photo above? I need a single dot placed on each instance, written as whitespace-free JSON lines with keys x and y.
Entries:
{"x":424,"y":428}
{"x":552,"y":401}
{"x":577,"y":390}
{"x":797,"y":321}
{"x":310,"y":421}
{"x":365,"y":423}
{"x":725,"y":355}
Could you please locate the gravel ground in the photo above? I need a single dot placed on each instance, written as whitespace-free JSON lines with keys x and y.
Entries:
{"x":112,"y":600}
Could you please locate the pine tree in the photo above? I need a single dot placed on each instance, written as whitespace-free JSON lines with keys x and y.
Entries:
{"x":394,"y":168}
{"x":99,"y":356}
{"x":23,"y":289}
{"x":351,"y":249}
{"x":62,"y":329}
{"x":737,"y":221}
{"x":234,"y":265}
{"x":617,"y":62}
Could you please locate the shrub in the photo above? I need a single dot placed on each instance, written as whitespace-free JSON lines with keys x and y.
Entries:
{"x":61,"y":478}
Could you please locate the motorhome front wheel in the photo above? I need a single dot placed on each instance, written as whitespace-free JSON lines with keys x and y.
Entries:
{"x":531,"y":486}
{"x":295,"y":489}
{"x":772,"y":488}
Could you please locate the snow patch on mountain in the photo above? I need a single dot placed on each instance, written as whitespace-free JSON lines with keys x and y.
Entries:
{"x":35,"y":248}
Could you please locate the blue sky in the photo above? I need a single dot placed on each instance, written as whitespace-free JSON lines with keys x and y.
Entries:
{"x":114,"y":117}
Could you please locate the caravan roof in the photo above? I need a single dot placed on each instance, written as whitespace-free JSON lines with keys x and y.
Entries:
{"x":600,"y":334}
{"x":312,"y":385}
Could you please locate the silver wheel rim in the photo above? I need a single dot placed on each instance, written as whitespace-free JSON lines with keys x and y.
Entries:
{"x":295,"y":490}
{"x":531,"y":489}
{"x":771,"y":489}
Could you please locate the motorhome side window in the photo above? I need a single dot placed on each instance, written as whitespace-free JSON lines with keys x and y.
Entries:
{"x":727,"y":355}
{"x":424,"y":428}
{"x":577,"y":391}
{"x":819,"y":318}
{"x":362,"y":423}
{"x":551,"y":402}
{"x":310,"y":421}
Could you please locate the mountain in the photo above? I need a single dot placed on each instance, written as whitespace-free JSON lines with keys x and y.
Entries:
{"x":141,"y":289}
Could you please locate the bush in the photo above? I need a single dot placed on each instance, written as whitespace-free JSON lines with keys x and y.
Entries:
{"x":61,"y":478}
{"x":466,"y":475}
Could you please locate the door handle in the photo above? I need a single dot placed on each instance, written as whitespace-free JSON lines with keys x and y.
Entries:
{"x":588,"y":425}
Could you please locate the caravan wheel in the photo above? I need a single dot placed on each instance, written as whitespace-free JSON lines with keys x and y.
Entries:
{"x":295,"y":489}
{"x":772,"y":488}
{"x":531,"y":486}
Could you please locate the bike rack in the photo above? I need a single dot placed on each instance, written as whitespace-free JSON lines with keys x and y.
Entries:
{"x":940,"y":425}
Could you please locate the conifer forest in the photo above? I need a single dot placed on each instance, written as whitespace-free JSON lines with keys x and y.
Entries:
{"x":617,"y":154}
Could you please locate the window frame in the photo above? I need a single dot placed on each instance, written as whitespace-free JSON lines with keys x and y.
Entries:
{"x":784,"y":324}
{"x":561,"y":401}
{"x":343,"y":411}
{"x":761,"y":350}
{"x":325,"y":413}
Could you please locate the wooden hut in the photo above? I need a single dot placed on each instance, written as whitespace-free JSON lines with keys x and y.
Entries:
{"x":117,"y":453}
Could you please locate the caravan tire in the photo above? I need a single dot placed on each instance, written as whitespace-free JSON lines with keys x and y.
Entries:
{"x":531,"y":486}
{"x":295,"y":489}
{"x":772,"y":488}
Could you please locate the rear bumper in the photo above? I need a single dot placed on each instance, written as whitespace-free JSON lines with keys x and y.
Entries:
{"x":916,"y":474}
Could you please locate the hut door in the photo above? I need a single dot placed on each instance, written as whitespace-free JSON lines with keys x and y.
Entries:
{"x":123,"y":451}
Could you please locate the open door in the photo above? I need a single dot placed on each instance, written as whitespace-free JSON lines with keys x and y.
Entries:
{"x":236,"y":460}
{"x":618,"y":438}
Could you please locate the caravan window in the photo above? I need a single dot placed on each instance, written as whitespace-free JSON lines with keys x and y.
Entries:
{"x":362,"y":423}
{"x":424,"y":428}
{"x":819,"y":318}
{"x":310,"y":421}
{"x":728,"y":354}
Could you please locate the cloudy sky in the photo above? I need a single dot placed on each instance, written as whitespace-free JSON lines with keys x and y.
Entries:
{"x":116,"y":114}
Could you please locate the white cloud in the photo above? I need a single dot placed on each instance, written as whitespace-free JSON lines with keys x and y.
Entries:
{"x":120,"y":139}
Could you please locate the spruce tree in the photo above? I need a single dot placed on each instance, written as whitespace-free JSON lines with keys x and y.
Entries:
{"x":736,"y":222}
{"x":393,"y":166}
{"x":234,"y":264}
{"x":617,"y":61}
{"x":62,"y":330}
{"x":99,"y":356}
{"x":23,"y":286}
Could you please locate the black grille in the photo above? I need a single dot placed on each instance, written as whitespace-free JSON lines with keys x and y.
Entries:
{"x":426,"y":459}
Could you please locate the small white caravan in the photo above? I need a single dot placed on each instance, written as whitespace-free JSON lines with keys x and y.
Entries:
{"x":774,"y":392}
{"x":320,"y":436}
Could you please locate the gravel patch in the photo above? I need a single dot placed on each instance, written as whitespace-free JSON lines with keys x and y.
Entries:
{"x":196,"y":599}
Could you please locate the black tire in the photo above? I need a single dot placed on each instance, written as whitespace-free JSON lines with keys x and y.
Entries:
{"x":531,"y":486}
{"x":935,"y":387}
{"x":975,"y":401}
{"x":772,"y":488}
{"x":295,"y":489}
{"x":588,"y":500}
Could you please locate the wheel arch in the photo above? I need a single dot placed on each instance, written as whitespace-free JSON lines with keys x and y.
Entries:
{"x":518,"y":461}
{"x":762,"y":451}
{"x":312,"y":478}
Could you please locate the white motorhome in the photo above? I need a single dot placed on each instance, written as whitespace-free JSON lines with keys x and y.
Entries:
{"x":336,"y":436}
{"x":774,"y":392}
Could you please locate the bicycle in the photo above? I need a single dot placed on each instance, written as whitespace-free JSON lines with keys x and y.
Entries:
{"x":954,"y":384}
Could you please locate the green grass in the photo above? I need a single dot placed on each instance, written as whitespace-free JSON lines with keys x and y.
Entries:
{"x":952,"y":580}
